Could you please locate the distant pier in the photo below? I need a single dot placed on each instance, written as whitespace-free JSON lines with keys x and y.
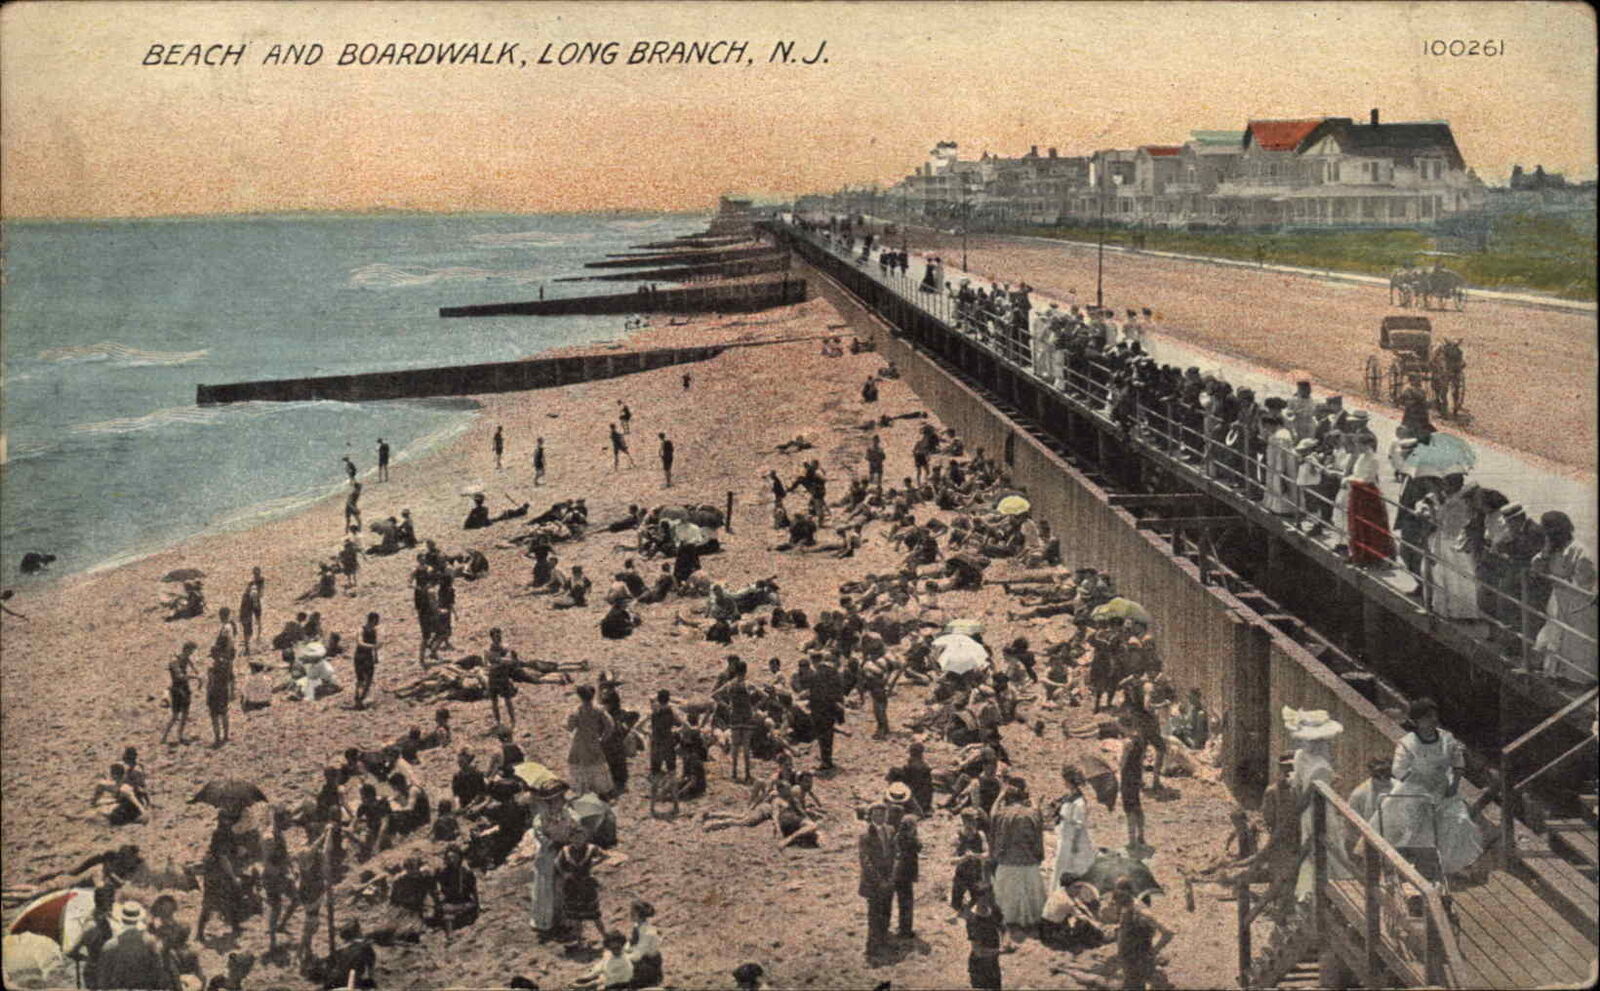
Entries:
{"x":694,"y":256}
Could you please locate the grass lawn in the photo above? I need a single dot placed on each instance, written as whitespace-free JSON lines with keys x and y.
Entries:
{"x":1541,"y":253}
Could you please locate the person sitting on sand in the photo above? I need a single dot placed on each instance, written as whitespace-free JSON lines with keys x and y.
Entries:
{"x":122,"y":805}
{"x":619,"y":621}
{"x":478,"y":516}
{"x":576,"y":595}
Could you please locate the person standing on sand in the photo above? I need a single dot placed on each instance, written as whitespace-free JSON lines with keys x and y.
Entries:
{"x":366,"y":660}
{"x":587,"y":769}
{"x":1138,"y":951}
{"x":619,"y":448}
{"x":688,"y":378}
{"x":667,"y":455}
{"x":180,"y":692}
{"x":625,"y":417}
{"x":349,"y":468}
{"x":352,"y":506}
{"x":219,"y":692}
{"x":875,"y":852}
{"x":383,"y":460}
{"x":499,"y":444}
{"x":250,"y":607}
{"x":538,"y":461}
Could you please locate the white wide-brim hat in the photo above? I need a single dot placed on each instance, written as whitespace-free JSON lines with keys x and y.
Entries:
{"x":1310,"y":724}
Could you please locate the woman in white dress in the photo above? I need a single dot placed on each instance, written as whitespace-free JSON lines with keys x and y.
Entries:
{"x":1282,"y":493}
{"x":1566,"y":644}
{"x":1425,"y":809}
{"x":1454,"y":589}
{"x":1075,"y":851}
{"x":1313,"y":732}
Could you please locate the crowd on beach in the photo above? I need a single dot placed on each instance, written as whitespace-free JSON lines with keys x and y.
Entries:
{"x":383,"y":843}
{"x":1519,"y":581}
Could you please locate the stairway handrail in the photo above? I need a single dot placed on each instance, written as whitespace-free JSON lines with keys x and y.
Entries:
{"x":1448,"y":965}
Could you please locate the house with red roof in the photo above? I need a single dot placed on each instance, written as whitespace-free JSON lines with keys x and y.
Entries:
{"x":1337,"y":172}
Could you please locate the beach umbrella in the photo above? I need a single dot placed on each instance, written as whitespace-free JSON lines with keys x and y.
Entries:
{"x":970,"y":627}
{"x":228,"y":794}
{"x":592,"y":815}
{"x":1120,"y":608}
{"x":708,"y":517}
{"x":1443,"y":454}
{"x":35,"y":961}
{"x":538,"y":777}
{"x":687,"y":534}
{"x":958,"y":653}
{"x":1013,"y":506}
{"x":57,"y":916}
{"x":183,"y":575}
{"x":1101,"y":777}
{"x":1112,"y":866}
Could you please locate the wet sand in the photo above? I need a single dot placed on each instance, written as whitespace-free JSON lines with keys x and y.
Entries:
{"x":85,"y":676}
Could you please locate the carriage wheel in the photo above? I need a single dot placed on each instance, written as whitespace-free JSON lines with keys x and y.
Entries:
{"x":1374,"y":378}
{"x":1397,"y":379}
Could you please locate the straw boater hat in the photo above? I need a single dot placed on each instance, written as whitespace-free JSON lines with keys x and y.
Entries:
{"x":1311,"y":724}
{"x":897,"y":793}
{"x":1306,"y":446}
{"x":1511,"y":512}
{"x":130,"y":914}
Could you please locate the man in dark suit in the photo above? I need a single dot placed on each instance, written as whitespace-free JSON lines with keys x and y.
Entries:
{"x":825,"y":693}
{"x":907,"y":854}
{"x":876,"y":849}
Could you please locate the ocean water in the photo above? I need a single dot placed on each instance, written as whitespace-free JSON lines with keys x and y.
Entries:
{"x":108,"y":326}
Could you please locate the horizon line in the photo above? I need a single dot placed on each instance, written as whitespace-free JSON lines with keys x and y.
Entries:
{"x":337,"y":212}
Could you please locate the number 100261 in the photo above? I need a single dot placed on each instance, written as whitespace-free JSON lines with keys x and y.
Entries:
{"x":1461,"y":49}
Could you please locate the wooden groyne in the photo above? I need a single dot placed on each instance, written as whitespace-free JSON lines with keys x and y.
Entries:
{"x":469,"y":380}
{"x":761,"y":264}
{"x":693,"y":241}
{"x":694,"y":256}
{"x":454,"y":380}
{"x":744,"y":297}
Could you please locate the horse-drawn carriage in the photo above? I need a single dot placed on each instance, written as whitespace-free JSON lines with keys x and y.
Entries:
{"x":1427,"y":288}
{"x":1441,"y":369}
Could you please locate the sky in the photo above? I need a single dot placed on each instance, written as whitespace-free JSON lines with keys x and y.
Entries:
{"x":86,"y":130}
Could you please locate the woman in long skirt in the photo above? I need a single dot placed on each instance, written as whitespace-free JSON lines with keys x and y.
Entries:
{"x":1425,"y":808}
{"x":1075,"y":851}
{"x":544,"y":891}
{"x":1454,"y":588}
{"x":1365,"y":517}
{"x":1019,"y":854}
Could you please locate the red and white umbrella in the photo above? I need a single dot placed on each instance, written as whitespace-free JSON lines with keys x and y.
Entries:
{"x":57,"y":915}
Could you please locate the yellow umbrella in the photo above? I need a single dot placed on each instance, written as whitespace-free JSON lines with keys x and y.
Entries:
{"x":536,"y":775}
{"x":1013,"y":505}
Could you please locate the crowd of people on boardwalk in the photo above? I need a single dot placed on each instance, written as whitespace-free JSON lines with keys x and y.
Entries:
{"x":1476,"y":557}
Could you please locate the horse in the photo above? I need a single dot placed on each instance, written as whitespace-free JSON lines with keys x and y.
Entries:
{"x":1449,"y":365}
{"x":1402,"y":287}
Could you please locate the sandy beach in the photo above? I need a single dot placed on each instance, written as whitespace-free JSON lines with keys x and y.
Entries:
{"x":84,"y":676}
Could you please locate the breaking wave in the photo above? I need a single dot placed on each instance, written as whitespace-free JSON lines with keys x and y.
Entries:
{"x":193,"y":416}
{"x":531,"y":239}
{"x":380,"y":275}
{"x":121,"y":354}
